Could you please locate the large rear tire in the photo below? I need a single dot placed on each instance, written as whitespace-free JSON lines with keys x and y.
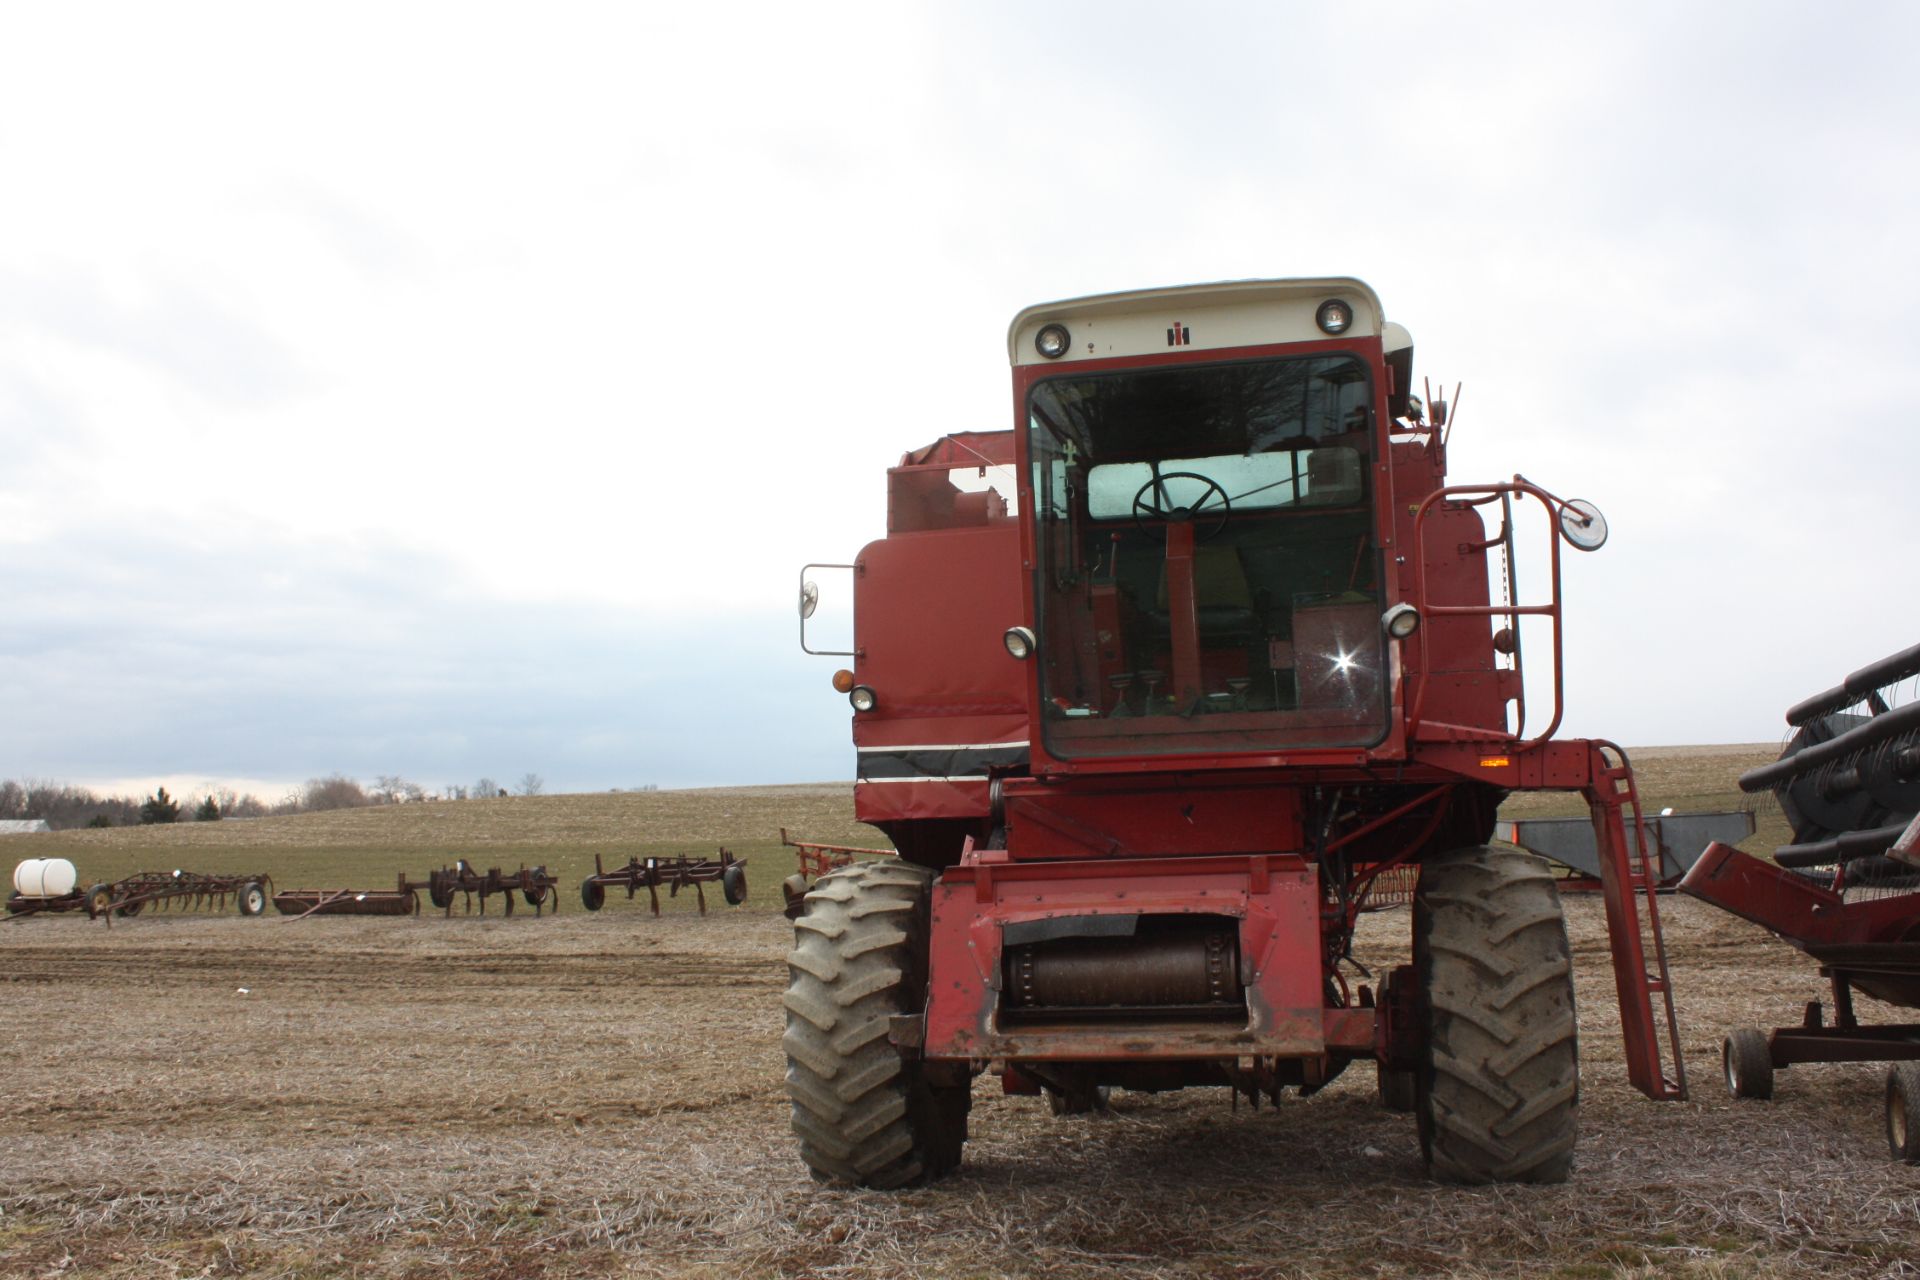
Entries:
{"x":1499,"y":1088}
{"x":863,"y":1112}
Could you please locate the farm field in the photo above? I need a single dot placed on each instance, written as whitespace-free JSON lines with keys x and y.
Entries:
{"x":601,"y":1094}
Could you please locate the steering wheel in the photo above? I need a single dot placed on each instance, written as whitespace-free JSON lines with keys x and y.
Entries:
{"x":1145,"y":510}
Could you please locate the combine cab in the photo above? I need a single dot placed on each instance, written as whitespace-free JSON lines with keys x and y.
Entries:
{"x":1155,"y":694}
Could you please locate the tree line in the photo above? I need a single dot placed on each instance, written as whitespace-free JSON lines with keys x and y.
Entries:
{"x":64,"y":806}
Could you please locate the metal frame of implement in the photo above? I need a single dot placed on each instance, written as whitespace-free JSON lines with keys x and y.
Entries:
{"x":676,"y":873}
{"x":536,"y":886}
{"x":1846,"y":891}
{"x":192,"y":890}
{"x":816,"y":859}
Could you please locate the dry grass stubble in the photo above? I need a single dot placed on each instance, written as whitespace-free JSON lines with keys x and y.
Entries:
{"x":601,"y":1095}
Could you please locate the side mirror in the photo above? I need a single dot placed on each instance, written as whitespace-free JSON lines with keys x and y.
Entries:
{"x":838,"y":619}
{"x":1582,"y":524}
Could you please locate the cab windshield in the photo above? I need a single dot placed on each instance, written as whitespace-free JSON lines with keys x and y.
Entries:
{"x":1208,"y":579}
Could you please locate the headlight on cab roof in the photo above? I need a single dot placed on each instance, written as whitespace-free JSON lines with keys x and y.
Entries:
{"x":1052,"y":341}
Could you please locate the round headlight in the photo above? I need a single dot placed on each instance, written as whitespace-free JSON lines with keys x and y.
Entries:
{"x":1334,"y":316}
{"x":862,"y":697}
{"x":1052,"y":341}
{"x":1401,"y":621}
{"x":1020,"y":642}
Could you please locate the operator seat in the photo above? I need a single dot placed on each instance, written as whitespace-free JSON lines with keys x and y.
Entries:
{"x":1222,"y":598}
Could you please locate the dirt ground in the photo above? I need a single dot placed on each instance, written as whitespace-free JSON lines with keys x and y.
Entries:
{"x":586,"y":1095}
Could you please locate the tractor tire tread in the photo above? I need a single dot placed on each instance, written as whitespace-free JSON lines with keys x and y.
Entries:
{"x":862,"y":1112}
{"x":1501,"y":1081}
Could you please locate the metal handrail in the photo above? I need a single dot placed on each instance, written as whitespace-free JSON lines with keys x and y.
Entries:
{"x":1512,"y":610}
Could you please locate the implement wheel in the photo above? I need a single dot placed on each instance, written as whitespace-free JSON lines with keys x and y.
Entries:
{"x":865,"y":1114}
{"x":99,"y":898}
{"x":1747,"y":1063}
{"x":593,"y":894}
{"x":1903,"y":1111}
{"x":1498,"y":1093}
{"x":252,"y":898}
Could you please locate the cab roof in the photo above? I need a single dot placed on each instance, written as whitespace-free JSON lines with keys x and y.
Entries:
{"x":1233,"y":313}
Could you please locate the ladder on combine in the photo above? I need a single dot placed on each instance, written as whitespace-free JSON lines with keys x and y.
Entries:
{"x":1629,"y":877}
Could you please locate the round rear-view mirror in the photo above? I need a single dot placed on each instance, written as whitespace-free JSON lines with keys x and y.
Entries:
{"x":809,"y":598}
{"x":1583,"y":525}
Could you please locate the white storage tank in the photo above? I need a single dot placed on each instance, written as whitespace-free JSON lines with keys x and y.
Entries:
{"x":44,"y":878}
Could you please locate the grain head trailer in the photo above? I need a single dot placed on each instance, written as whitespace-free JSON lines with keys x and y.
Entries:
{"x":1152,"y":722}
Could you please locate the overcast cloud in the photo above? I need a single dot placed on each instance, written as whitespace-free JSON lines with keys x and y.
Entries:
{"x":448,"y":390}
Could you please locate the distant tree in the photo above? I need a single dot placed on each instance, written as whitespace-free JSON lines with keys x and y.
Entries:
{"x":486,"y":788}
{"x":209,"y":811}
{"x":160,"y":807}
{"x":101,"y":820}
{"x":532,"y":784}
{"x":391,"y":788}
{"x":333,"y":792}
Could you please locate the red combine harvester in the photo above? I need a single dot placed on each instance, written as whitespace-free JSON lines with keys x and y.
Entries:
{"x":1216,"y":668}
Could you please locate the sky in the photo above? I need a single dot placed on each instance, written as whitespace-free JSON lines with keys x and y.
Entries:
{"x":455,"y":390}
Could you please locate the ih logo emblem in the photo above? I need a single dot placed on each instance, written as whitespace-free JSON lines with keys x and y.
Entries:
{"x":1179,"y":335}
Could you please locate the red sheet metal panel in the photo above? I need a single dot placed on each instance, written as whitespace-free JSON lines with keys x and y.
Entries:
{"x":1275,"y":900}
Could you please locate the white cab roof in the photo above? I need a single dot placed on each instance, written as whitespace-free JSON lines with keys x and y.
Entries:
{"x":1198,"y":317}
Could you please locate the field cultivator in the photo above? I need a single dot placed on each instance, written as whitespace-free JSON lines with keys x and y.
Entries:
{"x":1678,"y":838}
{"x":676,"y":873}
{"x":536,"y":887}
{"x":816,"y":860}
{"x":50,"y":886}
{"x":1846,"y":890}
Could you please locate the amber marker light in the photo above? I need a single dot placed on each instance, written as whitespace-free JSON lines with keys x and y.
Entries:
{"x":843,"y":681}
